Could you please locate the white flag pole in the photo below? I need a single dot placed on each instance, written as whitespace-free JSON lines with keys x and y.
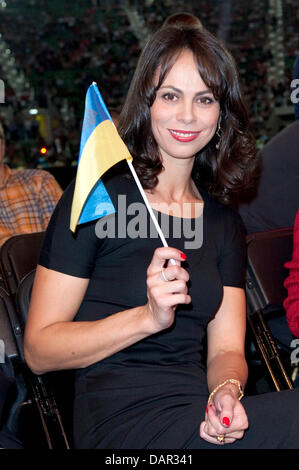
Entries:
{"x":149,"y":208}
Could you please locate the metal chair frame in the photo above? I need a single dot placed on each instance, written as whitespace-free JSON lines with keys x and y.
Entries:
{"x":267,"y":253}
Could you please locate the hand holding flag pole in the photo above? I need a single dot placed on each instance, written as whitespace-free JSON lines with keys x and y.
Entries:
{"x":101,"y":148}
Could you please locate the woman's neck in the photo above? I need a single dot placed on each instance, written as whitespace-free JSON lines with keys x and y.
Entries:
{"x":176,"y":192}
{"x":175,"y":183}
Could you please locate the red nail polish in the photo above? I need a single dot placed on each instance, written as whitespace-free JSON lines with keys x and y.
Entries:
{"x":226,"y":421}
{"x":207,"y":409}
{"x":183,"y":256}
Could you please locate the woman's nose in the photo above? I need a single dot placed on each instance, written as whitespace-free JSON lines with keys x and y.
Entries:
{"x":186,"y":112}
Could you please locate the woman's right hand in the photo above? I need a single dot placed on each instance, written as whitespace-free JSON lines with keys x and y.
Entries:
{"x":164,"y":296}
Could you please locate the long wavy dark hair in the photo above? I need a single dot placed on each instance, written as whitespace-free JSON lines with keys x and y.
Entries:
{"x":223,"y":171}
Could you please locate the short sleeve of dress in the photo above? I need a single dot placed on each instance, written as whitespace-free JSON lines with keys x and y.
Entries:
{"x":63,"y":251}
{"x":232,"y":265}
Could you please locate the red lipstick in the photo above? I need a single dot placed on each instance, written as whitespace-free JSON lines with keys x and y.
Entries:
{"x":183,"y":136}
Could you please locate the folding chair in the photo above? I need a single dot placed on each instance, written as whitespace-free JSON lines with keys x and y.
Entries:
{"x":18,"y":256}
{"x":39,"y":423}
{"x":12,"y":388}
{"x":42,"y":386}
{"x":8,"y":358}
{"x":266,"y":254}
{"x":22,"y":411}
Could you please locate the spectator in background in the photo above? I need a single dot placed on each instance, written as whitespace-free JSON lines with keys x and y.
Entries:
{"x":291,"y":304}
{"x":276,"y":201}
{"x":275,"y":204}
{"x":27,"y":198}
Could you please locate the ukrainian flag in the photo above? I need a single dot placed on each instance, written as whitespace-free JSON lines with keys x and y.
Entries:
{"x":101,"y":147}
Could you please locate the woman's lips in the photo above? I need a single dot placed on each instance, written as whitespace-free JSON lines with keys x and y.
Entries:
{"x":183,"y":136}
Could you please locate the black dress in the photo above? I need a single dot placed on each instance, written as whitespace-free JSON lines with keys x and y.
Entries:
{"x":152,"y":394}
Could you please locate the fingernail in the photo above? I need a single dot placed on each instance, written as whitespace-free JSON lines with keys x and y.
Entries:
{"x":207,"y":409}
{"x":226,"y":421}
{"x":183,"y":256}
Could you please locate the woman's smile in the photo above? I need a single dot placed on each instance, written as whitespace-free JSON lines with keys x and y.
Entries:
{"x":184,"y":136}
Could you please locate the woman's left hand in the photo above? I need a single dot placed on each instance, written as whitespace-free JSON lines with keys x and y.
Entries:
{"x":225,"y":418}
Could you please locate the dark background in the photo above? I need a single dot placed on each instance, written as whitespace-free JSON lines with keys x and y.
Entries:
{"x":51,"y":51}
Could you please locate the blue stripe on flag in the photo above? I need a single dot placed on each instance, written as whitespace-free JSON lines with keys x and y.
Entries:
{"x":95,"y":113}
{"x":97,"y":205}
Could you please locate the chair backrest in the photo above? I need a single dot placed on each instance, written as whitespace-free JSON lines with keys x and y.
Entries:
{"x":10,"y":329}
{"x":18,"y":256}
{"x":267,"y":252}
{"x":23,"y":295}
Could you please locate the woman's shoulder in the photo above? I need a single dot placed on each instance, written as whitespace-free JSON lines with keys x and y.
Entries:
{"x":116,"y":181}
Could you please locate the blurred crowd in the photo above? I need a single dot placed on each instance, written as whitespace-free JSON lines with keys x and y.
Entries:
{"x":63,"y":46}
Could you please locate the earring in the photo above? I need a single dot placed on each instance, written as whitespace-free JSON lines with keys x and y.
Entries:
{"x":218,"y":133}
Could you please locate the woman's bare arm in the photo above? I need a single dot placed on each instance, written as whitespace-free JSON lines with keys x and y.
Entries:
{"x":226,"y":339}
{"x":54,"y":341}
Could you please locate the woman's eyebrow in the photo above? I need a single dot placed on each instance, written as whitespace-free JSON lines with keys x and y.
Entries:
{"x":177,"y":90}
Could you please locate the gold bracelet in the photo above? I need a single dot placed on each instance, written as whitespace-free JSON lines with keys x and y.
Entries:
{"x":231,"y":381}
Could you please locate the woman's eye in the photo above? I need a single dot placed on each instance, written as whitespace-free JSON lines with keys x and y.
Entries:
{"x":170,"y":97}
{"x":205,"y":100}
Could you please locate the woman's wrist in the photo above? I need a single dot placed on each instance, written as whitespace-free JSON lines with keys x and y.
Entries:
{"x":149,"y":323}
{"x":233,"y":385}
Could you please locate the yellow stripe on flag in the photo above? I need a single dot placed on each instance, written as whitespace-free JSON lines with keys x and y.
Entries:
{"x":103,"y":149}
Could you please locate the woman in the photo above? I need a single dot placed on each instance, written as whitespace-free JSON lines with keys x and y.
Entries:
{"x":132,"y":316}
